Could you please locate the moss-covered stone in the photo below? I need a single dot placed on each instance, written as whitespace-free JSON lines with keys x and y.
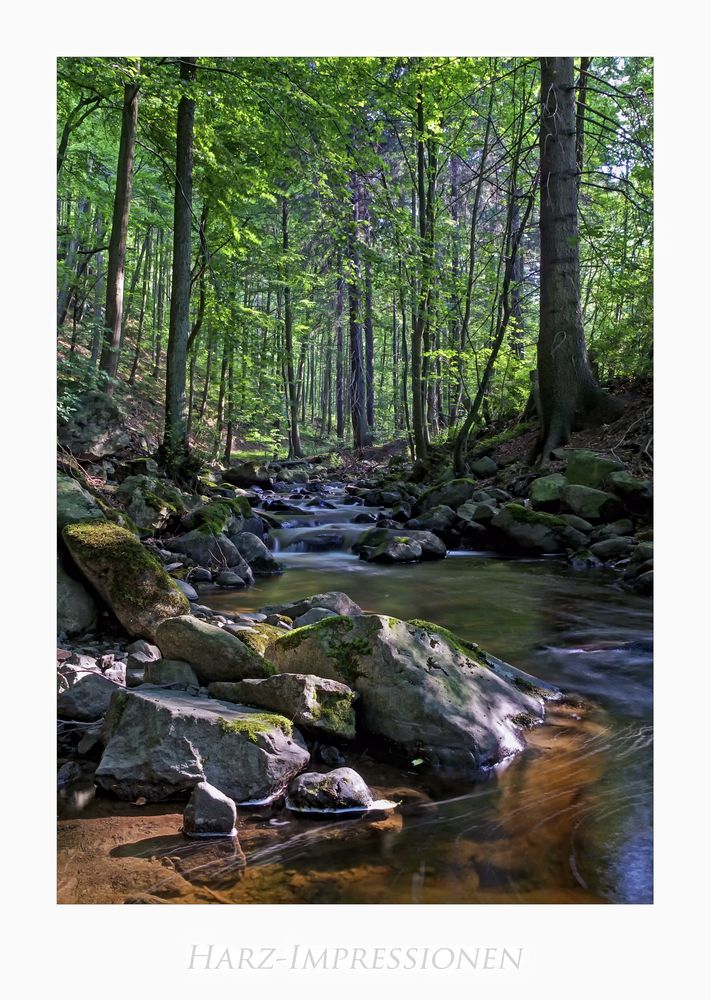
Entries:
{"x":255,"y":725}
{"x":131,"y":581}
{"x":462,"y":645}
{"x":260,"y":637}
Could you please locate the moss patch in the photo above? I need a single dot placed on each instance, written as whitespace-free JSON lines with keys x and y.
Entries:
{"x":294,"y":638}
{"x":461,"y":645}
{"x":525,"y":516}
{"x":262,"y":637}
{"x":255,"y":725}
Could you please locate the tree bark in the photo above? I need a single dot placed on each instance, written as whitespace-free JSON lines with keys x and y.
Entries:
{"x":339,"y":353}
{"x":113,"y":316}
{"x":295,"y":450}
{"x":359,"y":420}
{"x":175,"y":448}
{"x":570,"y":396}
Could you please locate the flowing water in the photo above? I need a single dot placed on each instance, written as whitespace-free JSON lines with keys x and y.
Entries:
{"x":568,"y":820}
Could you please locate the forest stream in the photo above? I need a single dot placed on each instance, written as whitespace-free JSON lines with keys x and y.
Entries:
{"x":568,"y":820}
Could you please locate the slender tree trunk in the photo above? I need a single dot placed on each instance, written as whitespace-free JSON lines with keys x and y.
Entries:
{"x":98,"y":325}
{"x":142,"y":311}
{"x":569,"y":394}
{"x":113,"y":317}
{"x":293,"y":408}
{"x":340,"y":409}
{"x":357,"y":381}
{"x":369,"y":347}
{"x":175,"y":447}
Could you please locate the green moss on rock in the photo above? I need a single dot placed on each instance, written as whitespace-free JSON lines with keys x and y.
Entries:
{"x":463,"y":646}
{"x":256,"y":724}
{"x":525,"y":516}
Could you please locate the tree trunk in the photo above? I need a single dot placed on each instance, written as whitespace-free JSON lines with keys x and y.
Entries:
{"x":175,"y":448}
{"x":98,"y":326}
{"x":569,"y":394}
{"x":357,"y":381}
{"x":339,"y":353}
{"x":293,"y":407}
{"x":113,"y":317}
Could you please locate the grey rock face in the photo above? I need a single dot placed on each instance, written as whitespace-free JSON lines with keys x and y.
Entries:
{"x":333,"y":600}
{"x":590,"y":504}
{"x":88,"y":699}
{"x":206,"y":549}
{"x":311,"y":702}
{"x":76,"y":608}
{"x":314,"y":615}
{"x":214,"y":653}
{"x":393,"y":550}
{"x":256,"y":554}
{"x":75,"y":504}
{"x":160,"y":744}
{"x":170,"y":672}
{"x":209,"y":813}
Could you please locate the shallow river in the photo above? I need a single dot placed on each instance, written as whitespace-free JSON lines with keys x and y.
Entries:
{"x":569,"y":820}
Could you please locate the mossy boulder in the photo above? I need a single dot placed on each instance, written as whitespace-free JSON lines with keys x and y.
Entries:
{"x":590,"y":504}
{"x":256,"y":554}
{"x":544,"y":493}
{"x":313,"y":703}
{"x":128,"y":578}
{"x":636,"y":494}
{"x":423,"y":690}
{"x":332,"y":600}
{"x":483,"y":467}
{"x":588,"y":468}
{"x":452,"y":494}
{"x":432,"y":546}
{"x":160,"y":744}
{"x":75,"y":504}
{"x":341,"y":790}
{"x":523,"y":529}
{"x":150,"y":502}
{"x":214,"y":653}
{"x":439,"y":519}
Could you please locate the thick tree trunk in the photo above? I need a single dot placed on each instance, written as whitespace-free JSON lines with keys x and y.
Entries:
{"x":175,"y":436}
{"x":113,"y":317}
{"x":569,"y":394}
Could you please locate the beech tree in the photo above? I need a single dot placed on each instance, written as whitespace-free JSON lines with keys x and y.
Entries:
{"x":175,"y":449}
{"x":569,"y":394}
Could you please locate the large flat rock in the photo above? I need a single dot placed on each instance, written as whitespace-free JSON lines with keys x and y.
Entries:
{"x":160,"y":744}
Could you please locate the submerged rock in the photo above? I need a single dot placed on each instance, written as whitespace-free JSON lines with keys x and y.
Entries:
{"x":131,"y":581}
{"x":160,"y":744}
{"x":435,"y":696}
{"x":215,"y":654}
{"x":340,"y":790}
{"x":209,"y":813}
{"x":315,"y":703}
